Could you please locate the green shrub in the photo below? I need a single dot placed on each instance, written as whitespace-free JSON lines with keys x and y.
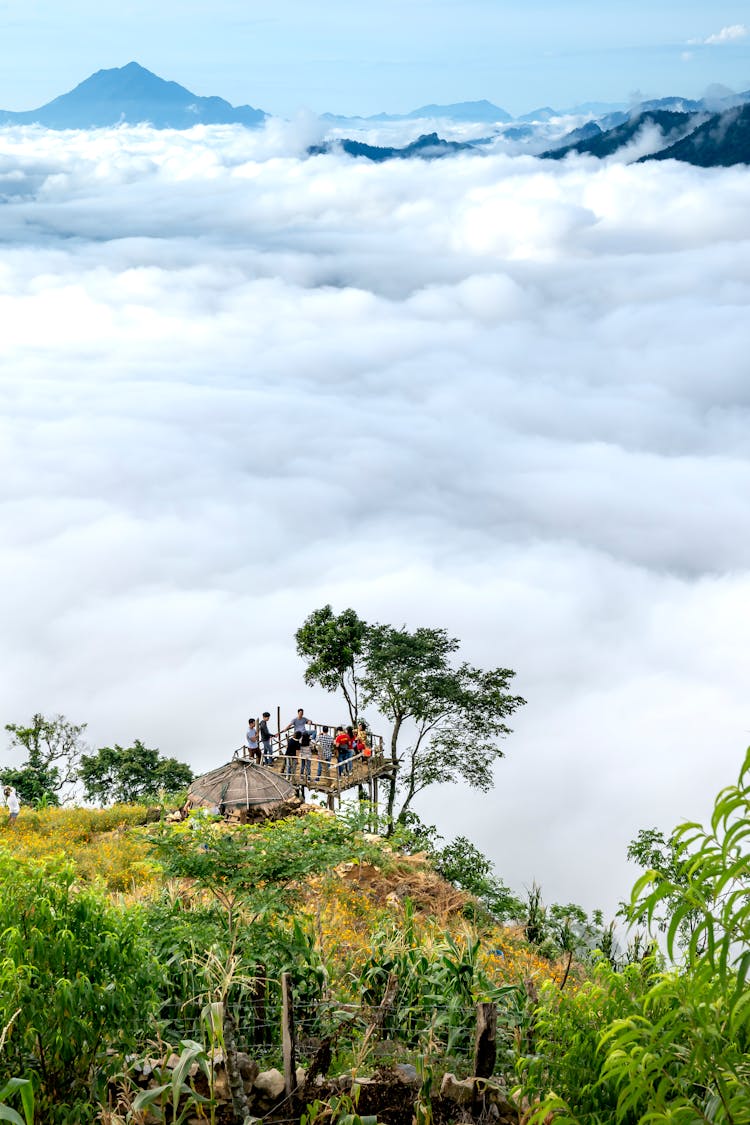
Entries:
{"x":681,"y":1054}
{"x":567,"y":1029}
{"x":80,"y":975}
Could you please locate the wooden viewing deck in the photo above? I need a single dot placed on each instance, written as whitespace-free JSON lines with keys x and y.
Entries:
{"x":365,"y":772}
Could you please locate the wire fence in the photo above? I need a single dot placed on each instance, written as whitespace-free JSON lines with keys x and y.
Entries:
{"x":449,"y":1025}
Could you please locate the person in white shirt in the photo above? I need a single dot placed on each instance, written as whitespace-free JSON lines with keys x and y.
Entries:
{"x":251,"y":740}
{"x":13,"y":803}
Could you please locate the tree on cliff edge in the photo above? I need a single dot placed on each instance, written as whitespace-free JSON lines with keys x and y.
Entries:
{"x":452,"y":714}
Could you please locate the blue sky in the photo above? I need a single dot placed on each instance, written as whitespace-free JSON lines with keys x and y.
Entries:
{"x":393,"y":55}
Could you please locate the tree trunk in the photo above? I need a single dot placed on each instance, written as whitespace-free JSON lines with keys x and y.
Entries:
{"x":240,"y":1104}
{"x":392,"y":779}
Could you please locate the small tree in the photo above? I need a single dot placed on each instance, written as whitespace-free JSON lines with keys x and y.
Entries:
{"x":458,"y":712}
{"x":464,"y":865}
{"x":332,"y":647}
{"x":131,"y":774}
{"x":53,"y":748}
{"x":669,"y":857}
{"x":455,"y":712}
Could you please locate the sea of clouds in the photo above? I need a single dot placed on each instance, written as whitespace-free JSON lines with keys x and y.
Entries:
{"x":499,"y":395}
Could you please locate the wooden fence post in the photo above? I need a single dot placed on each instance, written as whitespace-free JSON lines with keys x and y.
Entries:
{"x":485,"y":1046}
{"x":259,"y":1005}
{"x":287,"y":1035}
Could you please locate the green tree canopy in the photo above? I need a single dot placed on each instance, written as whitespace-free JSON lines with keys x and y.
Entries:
{"x":453,"y":713}
{"x":131,"y":774}
{"x":457,"y":712}
{"x":257,"y":868}
{"x":53,"y":748}
{"x":332,"y":647}
{"x":670,"y":857}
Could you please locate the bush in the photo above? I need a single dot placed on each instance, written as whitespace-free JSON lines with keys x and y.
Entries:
{"x":80,"y":975}
{"x":681,"y":1053}
{"x":95,"y":840}
{"x":565,"y":1055}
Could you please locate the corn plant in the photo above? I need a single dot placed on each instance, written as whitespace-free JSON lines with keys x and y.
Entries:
{"x":173,"y":1091}
{"x":439,"y":985}
{"x":24,"y":1088}
{"x":341,"y":1109}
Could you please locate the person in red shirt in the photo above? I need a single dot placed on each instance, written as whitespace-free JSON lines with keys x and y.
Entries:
{"x":343,"y":744}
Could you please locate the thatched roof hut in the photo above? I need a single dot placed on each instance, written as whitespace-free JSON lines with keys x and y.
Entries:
{"x":243,"y":786}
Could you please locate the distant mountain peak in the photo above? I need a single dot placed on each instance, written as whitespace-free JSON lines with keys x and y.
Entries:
{"x":134,"y":95}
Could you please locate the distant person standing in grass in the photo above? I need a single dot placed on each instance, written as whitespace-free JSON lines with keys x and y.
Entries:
{"x":13,"y":803}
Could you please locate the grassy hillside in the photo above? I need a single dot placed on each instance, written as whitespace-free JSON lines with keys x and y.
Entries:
{"x":206,"y":914}
{"x":144,"y":972}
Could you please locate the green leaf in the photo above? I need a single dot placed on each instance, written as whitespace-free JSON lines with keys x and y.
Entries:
{"x":146,"y":1098}
{"x":8,"y":1114}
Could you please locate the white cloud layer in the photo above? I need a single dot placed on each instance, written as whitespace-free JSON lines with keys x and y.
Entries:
{"x":504,"y":396}
{"x":731,"y":34}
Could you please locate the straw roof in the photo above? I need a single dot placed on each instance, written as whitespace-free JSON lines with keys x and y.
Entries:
{"x":241,"y":784}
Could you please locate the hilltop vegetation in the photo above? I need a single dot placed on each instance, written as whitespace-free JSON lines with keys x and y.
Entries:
{"x":184,"y":950}
{"x":172,"y":920}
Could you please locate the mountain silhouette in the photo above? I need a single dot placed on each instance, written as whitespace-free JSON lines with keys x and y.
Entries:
{"x":428,"y":147}
{"x":709,"y":140}
{"x":131,"y":94}
{"x":481,"y":111}
{"x":673,"y":126}
{"x":720,"y":142}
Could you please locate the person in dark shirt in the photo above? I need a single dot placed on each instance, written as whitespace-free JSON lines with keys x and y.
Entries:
{"x":290,"y":758}
{"x":305,"y":755}
{"x":265,"y":739}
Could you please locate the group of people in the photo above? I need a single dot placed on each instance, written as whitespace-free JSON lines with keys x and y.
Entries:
{"x":304,"y":743}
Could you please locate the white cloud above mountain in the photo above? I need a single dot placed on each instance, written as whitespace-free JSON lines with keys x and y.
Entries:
{"x":731,"y":34}
{"x":501,"y":395}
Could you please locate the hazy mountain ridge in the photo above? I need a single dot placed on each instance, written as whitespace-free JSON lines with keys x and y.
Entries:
{"x":706,"y":139}
{"x":719,"y":142}
{"x":714,"y":130}
{"x":427,"y":147}
{"x":606,"y":142}
{"x":133,"y":95}
{"x":482,"y":110}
